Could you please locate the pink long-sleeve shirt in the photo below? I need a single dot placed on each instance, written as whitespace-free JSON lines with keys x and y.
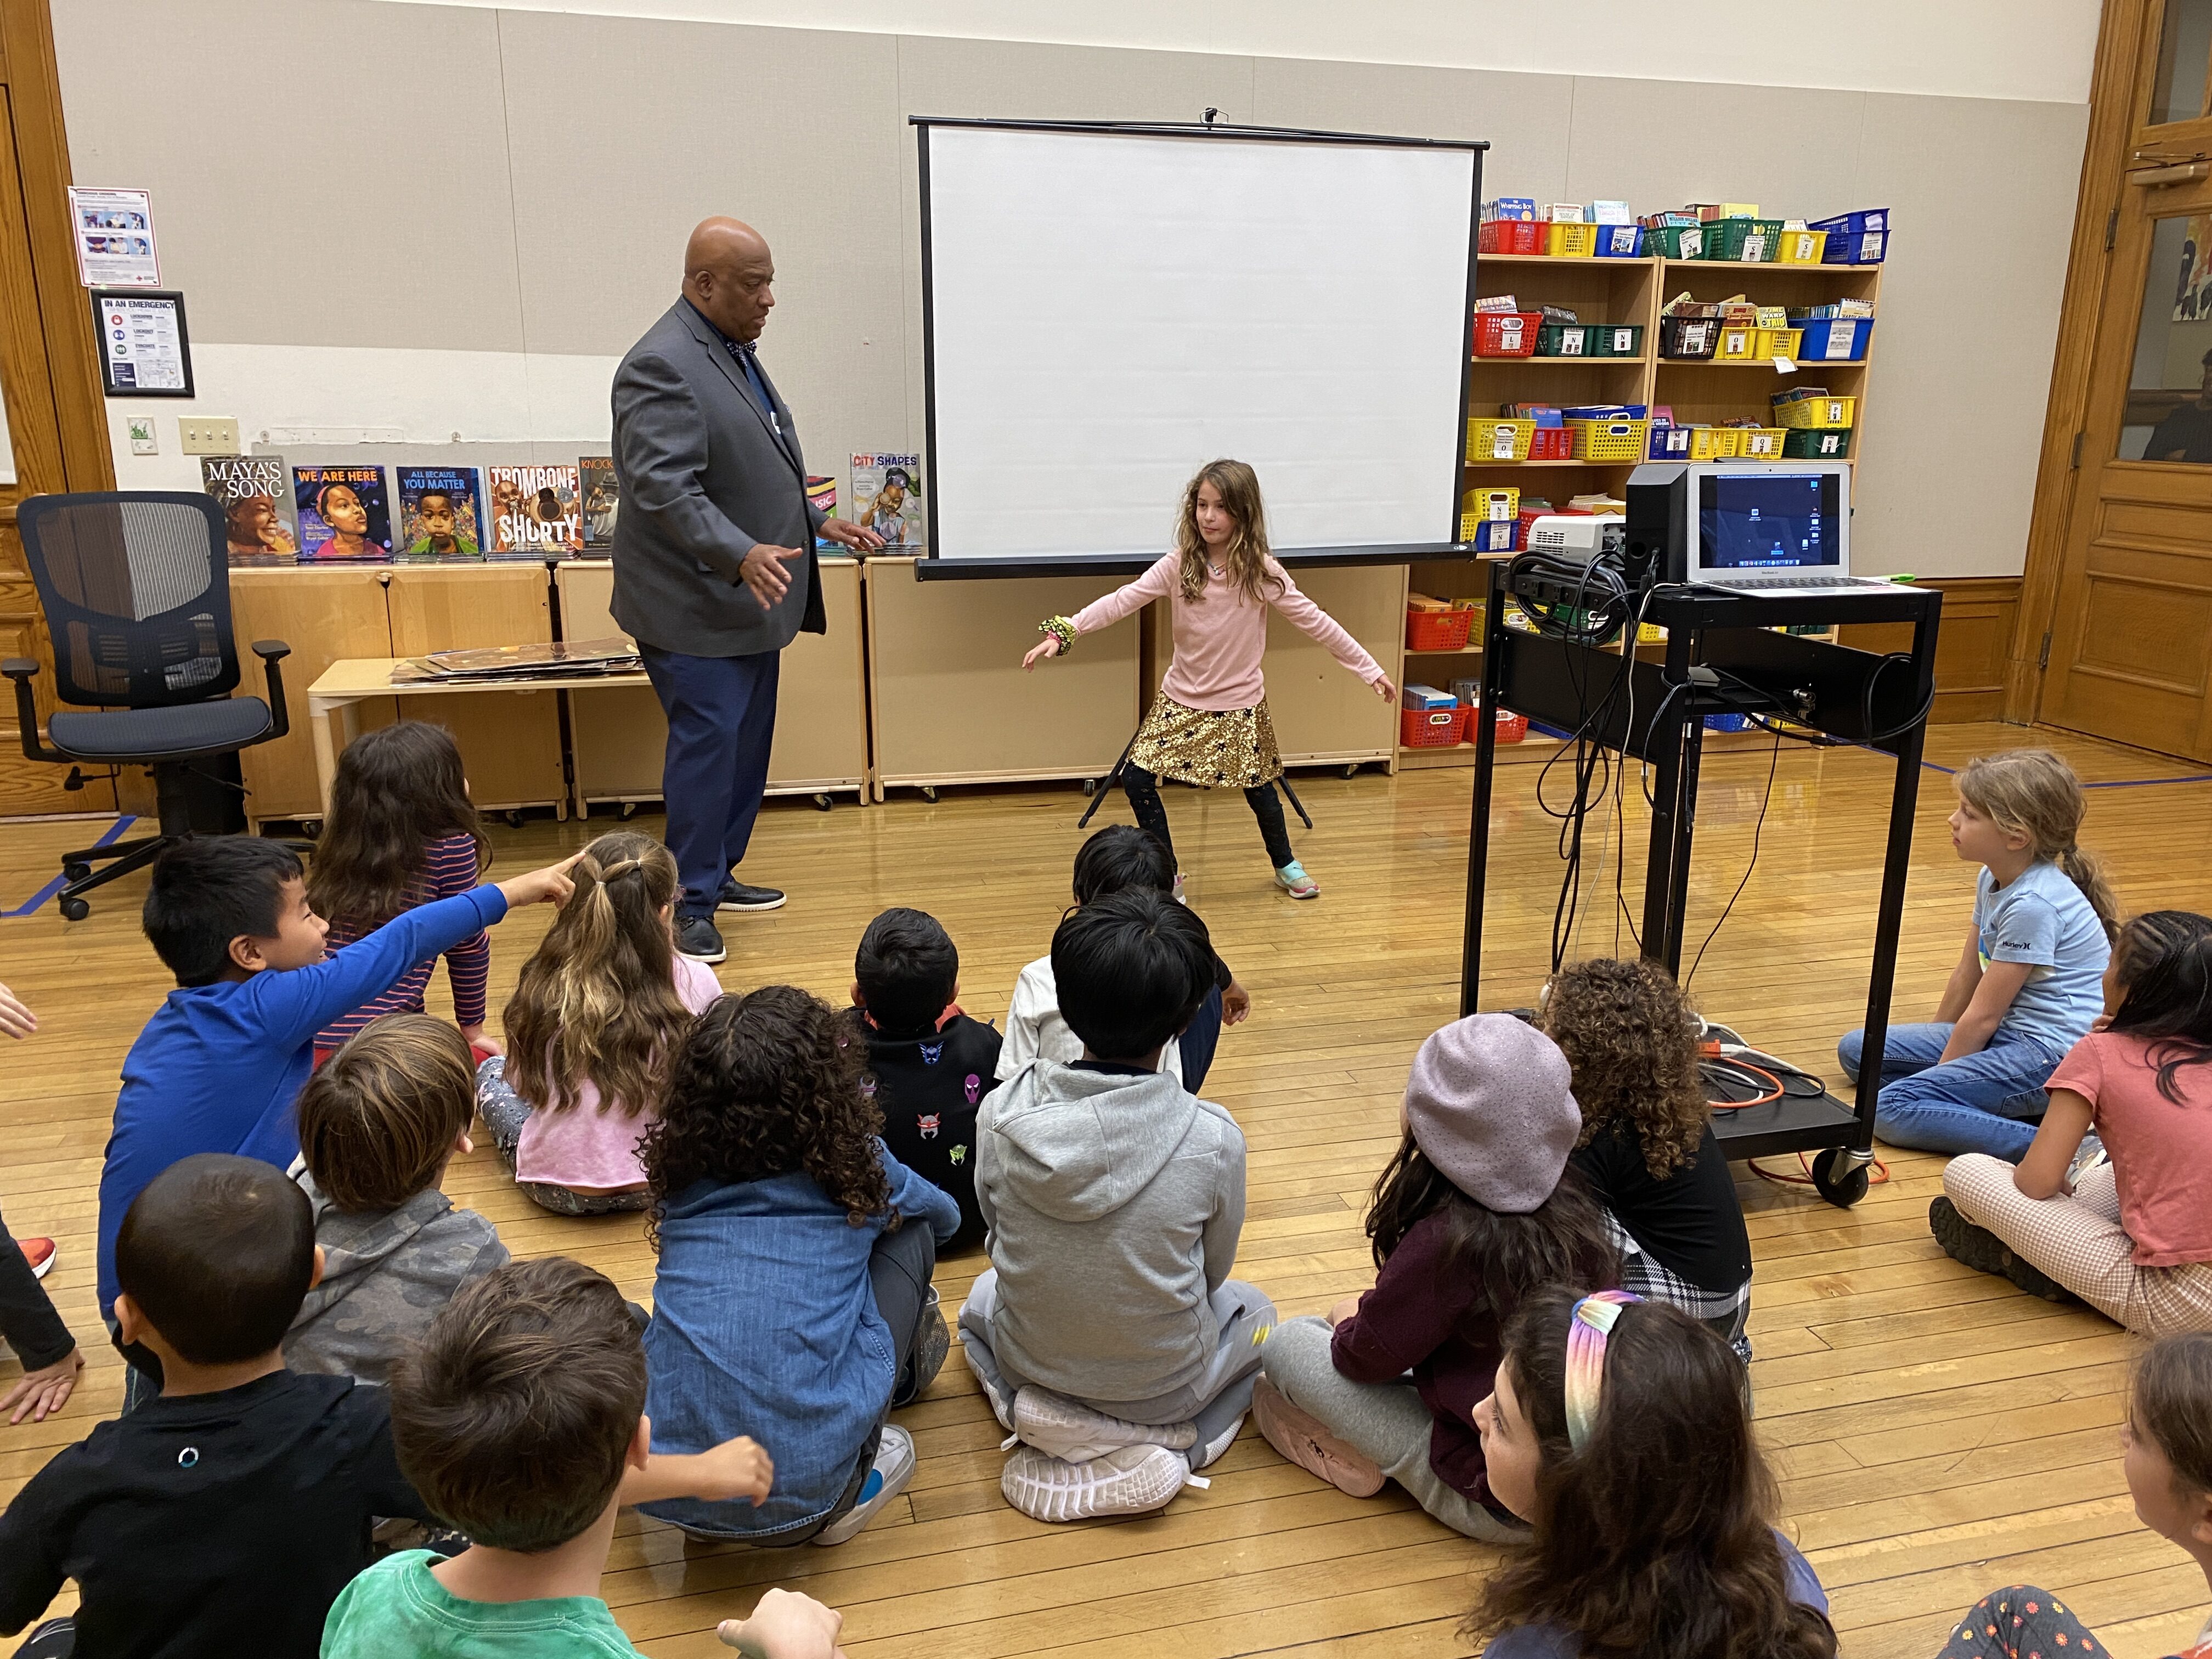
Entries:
{"x":1221,"y":637}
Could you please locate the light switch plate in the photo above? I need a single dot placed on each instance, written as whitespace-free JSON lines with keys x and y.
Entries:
{"x":208,"y":435}
{"x":143,"y":442}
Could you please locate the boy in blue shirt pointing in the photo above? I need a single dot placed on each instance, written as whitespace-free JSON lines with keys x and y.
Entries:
{"x":219,"y":1065}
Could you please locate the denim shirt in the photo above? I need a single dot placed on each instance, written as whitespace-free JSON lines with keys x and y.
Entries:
{"x":764,"y":1324}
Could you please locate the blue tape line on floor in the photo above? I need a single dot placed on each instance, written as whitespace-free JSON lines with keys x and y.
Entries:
{"x":114,"y":832}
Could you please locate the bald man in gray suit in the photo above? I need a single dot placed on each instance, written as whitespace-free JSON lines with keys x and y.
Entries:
{"x":713,"y":559}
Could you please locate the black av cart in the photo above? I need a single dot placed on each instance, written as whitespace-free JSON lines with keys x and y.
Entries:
{"x":1724,"y":656}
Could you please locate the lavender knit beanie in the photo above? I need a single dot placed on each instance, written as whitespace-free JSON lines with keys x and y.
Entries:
{"x":1490,"y":1105}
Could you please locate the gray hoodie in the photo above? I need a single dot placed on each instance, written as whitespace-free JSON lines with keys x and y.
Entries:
{"x":386,"y":1274}
{"x":1113,"y":1202}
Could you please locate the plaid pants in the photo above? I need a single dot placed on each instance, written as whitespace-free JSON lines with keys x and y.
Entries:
{"x":1726,"y":1312}
{"x":2079,"y":1243}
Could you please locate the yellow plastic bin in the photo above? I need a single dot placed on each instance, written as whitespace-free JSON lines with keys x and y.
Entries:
{"x":1814,"y":411}
{"x":1572,"y":241}
{"x":1609,"y":440}
{"x":1760,"y":443}
{"x":1494,"y":440}
{"x":1779,"y":343}
{"x":1799,"y":248}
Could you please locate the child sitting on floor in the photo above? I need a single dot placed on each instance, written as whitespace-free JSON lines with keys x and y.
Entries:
{"x":1618,"y":1431}
{"x":1119,"y":857}
{"x":2025,"y":990}
{"x":379,"y":1123}
{"x":2133,"y":1236}
{"x":520,"y":1421}
{"x":1109,"y":1334}
{"x":932,"y":1065}
{"x":401,"y":832}
{"x":1647,"y":1145}
{"x":1477,"y":1210}
{"x":221,"y":1063}
{"x":792,"y":1298}
{"x":2168,"y":1464}
{"x":599,"y":1007}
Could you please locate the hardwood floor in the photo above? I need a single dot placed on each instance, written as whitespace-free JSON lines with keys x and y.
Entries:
{"x":1938,"y":1433}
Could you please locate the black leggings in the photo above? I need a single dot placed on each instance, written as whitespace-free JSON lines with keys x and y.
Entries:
{"x":1144,"y":792}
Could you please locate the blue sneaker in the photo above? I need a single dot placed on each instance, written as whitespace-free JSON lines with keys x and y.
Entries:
{"x":1296,"y":882}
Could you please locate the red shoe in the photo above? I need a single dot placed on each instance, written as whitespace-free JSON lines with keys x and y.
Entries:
{"x":40,"y":1252}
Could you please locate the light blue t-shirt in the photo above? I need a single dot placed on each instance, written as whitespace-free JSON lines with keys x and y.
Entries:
{"x":2040,"y":917}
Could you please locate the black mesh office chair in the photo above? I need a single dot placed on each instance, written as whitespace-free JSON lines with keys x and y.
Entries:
{"x":136,"y":586}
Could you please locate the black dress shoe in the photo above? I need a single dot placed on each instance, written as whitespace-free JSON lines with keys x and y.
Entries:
{"x":696,"y":938}
{"x":737,"y":896}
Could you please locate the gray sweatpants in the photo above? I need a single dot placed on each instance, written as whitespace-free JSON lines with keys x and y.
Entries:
{"x":1386,"y":1423}
{"x":1217,"y":1401}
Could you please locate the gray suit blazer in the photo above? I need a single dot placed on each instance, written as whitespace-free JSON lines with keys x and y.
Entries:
{"x":706,"y":471}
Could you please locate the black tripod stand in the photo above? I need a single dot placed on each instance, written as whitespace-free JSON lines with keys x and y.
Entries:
{"x":1099,"y":788}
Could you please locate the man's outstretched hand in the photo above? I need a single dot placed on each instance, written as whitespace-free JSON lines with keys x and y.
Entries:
{"x":763,"y":572}
{"x":861,"y":540}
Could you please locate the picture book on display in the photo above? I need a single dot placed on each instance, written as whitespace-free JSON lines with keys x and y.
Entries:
{"x":344,"y":517}
{"x":255,"y":494}
{"x":887,"y":498}
{"x":602,"y":502}
{"x":440,"y":514}
{"x":536,"y":512}
{"x":822,"y":496}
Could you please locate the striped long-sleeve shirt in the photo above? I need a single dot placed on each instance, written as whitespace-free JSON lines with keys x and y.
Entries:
{"x":449,"y":866}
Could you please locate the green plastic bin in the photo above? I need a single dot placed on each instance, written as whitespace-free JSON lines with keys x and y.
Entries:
{"x":1743,"y":241}
{"x":1822,"y":444}
{"x":1676,"y":241}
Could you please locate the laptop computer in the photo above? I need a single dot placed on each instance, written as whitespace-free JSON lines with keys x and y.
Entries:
{"x":1773,"y":528}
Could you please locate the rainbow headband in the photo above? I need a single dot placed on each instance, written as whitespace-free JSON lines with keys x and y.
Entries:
{"x":1588,"y":1327}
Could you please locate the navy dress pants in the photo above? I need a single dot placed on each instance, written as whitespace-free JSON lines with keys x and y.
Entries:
{"x":722,"y":724}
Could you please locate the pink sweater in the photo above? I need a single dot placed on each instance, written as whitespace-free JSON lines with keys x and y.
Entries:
{"x":1220,"y":637}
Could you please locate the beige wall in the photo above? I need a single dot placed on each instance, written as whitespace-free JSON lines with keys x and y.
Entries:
{"x":442,"y":225}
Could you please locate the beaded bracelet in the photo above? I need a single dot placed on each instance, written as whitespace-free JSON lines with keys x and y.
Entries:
{"x":1061,"y":629}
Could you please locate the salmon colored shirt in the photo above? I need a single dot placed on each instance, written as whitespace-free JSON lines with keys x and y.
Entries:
{"x":1221,"y":635}
{"x":2161,"y":1150}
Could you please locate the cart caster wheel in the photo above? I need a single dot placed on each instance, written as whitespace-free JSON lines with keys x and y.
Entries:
{"x":1837,"y":1179}
{"x":312,"y":829}
{"x":625,"y":810}
{"x":929,"y":793}
{"x":514,"y":818}
{"x":822,"y":803}
{"x":1351,"y":771}
{"x":75,"y":871}
{"x":1090,"y":785}
{"x":74,"y":909}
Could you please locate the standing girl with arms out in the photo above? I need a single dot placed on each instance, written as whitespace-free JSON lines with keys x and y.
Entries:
{"x":2030,"y":980}
{"x":401,"y":833}
{"x":1209,"y":725}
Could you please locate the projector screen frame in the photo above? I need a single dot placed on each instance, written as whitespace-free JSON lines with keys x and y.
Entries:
{"x":934,"y":567}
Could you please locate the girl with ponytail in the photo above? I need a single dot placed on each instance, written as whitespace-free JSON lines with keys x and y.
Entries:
{"x":594,"y":1019}
{"x":2029,"y":981}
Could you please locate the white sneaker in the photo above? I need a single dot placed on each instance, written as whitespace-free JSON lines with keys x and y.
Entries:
{"x":1073,"y":1432}
{"x":1133,"y":1481}
{"x":1179,"y":898}
{"x":886,"y":1481}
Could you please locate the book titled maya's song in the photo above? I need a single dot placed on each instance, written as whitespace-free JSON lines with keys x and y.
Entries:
{"x":440,"y":514}
{"x":255,"y":494}
{"x":536,"y":512}
{"x":602,"y":502}
{"x":344,"y":517}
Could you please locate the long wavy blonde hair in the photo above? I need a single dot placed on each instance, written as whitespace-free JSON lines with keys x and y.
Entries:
{"x":1247,"y":555}
{"x":597,"y":1001}
{"x":2034,"y":792}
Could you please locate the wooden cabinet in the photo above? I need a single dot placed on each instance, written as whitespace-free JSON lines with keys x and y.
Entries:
{"x":510,"y":739}
{"x":324,"y":615}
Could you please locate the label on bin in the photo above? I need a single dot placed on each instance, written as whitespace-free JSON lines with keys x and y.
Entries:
{"x":1508,"y":333}
{"x":1801,"y":250}
{"x":1502,"y":443}
{"x":1870,"y":248}
{"x":1624,"y":342}
{"x":1842,"y":334}
{"x":1570,"y":342}
{"x":1754,"y":247}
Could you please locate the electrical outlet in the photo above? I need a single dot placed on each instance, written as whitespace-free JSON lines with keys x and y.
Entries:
{"x":210,"y":434}
{"x":143,"y":442}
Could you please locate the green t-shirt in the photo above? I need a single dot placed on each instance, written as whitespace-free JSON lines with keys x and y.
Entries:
{"x":397,"y":1607}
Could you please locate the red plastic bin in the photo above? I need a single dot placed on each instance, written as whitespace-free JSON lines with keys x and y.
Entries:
{"x":1438,"y":630}
{"x":1506,"y":333}
{"x":1511,"y":236}
{"x":1430,"y":728}
{"x":1552,"y":443}
{"x":1511,"y":727}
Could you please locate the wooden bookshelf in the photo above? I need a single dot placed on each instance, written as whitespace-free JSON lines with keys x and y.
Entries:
{"x":1699,"y":391}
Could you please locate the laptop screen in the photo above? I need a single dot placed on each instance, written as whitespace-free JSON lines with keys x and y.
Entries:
{"x":1769,"y":521}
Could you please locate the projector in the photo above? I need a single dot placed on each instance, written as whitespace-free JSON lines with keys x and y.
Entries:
{"x":1577,"y":537}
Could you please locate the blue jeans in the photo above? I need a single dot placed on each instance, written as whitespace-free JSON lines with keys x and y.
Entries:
{"x":1973,"y":1104}
{"x":722,"y":724}
{"x":1200,"y":1039}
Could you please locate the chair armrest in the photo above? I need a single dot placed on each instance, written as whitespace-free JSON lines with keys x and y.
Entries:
{"x":272,"y":651}
{"x":23,"y":671}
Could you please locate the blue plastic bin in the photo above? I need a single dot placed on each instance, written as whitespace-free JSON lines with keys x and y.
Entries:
{"x":1833,"y":339}
{"x":1854,"y":238}
{"x":1620,"y":241}
{"x":1670,"y":443}
{"x":1497,"y":536}
{"x":1727,"y":723}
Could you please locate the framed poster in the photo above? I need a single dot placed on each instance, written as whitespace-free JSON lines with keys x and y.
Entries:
{"x":113,"y":230}
{"x":144,"y":350}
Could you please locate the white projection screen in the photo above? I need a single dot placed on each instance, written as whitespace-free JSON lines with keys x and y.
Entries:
{"x":1106,"y":308}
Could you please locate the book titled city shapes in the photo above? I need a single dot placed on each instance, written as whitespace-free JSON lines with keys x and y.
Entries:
{"x":344,"y":517}
{"x":602,"y":502}
{"x":440,"y":514}
{"x":536,"y":512}
{"x":887,"y":497}
{"x":822,"y":496}
{"x":255,"y":494}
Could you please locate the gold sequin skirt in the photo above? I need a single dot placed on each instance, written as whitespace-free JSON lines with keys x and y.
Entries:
{"x":1223,"y":749}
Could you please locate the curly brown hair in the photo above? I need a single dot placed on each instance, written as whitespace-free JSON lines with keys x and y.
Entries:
{"x":1631,"y":1037}
{"x":760,"y":1086}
